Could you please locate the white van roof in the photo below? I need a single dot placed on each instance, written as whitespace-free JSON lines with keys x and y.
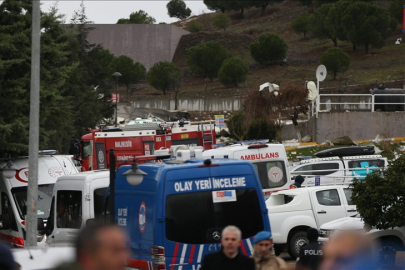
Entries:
{"x":50,"y":168}
{"x":230,"y":150}
{"x":86,"y":176}
{"x":314,"y":160}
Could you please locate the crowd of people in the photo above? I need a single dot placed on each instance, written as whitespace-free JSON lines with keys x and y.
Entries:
{"x":105,"y":247}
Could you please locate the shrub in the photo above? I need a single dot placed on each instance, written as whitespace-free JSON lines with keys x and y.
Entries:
{"x":269,"y":49}
{"x":222,"y":21}
{"x":232,"y":72}
{"x":195,"y":26}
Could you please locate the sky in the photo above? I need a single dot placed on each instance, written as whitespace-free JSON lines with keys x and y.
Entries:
{"x":109,"y":11}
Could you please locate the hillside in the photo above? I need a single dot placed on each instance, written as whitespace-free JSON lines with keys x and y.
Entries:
{"x":386,"y":64}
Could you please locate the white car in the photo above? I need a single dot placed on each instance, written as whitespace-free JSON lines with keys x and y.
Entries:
{"x":292,"y":212}
{"x":388,"y":242}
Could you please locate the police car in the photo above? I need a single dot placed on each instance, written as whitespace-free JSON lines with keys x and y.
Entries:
{"x":175,"y":216}
{"x":269,"y":160}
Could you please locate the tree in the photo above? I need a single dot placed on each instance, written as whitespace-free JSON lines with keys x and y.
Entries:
{"x":366,"y":24}
{"x":195,"y":26}
{"x":318,"y":25}
{"x":269,"y":49}
{"x":237,"y":5}
{"x":301,"y":24}
{"x":214,"y":5}
{"x":379,"y":198}
{"x":396,"y":9}
{"x":232,"y":72}
{"x":139,"y":17}
{"x":176,"y":79}
{"x":160,"y":76}
{"x":263,"y":4}
{"x":291,"y":102}
{"x":222,"y":21}
{"x":336,"y":61}
{"x":178,"y":9}
{"x":206,"y":59}
{"x":131,"y":72}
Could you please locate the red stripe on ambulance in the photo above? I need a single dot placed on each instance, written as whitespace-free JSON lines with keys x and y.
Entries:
{"x":191,"y":254}
{"x":242,"y":245}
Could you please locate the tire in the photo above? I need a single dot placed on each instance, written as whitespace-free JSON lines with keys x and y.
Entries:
{"x":297,"y":240}
{"x":277,"y":250}
{"x":386,"y":252}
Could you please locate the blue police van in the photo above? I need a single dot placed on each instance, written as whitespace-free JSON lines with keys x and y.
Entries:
{"x":176,"y":215}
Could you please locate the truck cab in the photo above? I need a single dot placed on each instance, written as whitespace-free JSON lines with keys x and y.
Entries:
{"x":176,"y":214}
{"x":13,"y":195}
{"x":75,"y":199}
{"x":269,"y":160}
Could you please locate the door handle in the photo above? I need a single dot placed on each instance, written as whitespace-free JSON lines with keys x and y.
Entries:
{"x":322,"y":212}
{"x":352,"y":210}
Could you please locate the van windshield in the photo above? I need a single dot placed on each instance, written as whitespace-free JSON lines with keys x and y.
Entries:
{"x":43,"y":202}
{"x":195,"y":218}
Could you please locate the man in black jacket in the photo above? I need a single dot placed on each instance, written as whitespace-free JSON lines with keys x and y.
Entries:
{"x":311,"y":254}
{"x":229,"y":258}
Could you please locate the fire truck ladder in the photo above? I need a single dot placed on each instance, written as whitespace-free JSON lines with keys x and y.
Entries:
{"x":207,"y":136}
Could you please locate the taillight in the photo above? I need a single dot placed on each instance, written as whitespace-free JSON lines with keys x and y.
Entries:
{"x":158,"y":252}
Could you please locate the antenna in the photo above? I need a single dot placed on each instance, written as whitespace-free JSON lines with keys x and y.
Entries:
{"x":321,"y":73}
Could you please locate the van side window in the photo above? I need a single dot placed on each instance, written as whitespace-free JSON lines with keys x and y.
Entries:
{"x":50,"y":224}
{"x":98,"y":201}
{"x":6,"y":208}
{"x":328,"y":197}
{"x":348,"y":193}
{"x":303,"y":170}
{"x":69,"y":209}
{"x":276,"y":175}
{"x":328,"y":167}
{"x":361,"y":163}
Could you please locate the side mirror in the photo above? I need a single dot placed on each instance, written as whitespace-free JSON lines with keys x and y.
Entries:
{"x":5,"y":222}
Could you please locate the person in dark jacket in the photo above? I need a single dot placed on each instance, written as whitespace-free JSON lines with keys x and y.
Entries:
{"x":298,"y":181}
{"x":311,"y":254}
{"x":229,"y":258}
{"x":6,"y":258}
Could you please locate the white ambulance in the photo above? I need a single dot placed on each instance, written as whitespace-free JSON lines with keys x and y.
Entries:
{"x":269,"y":160}
{"x":13,"y":195}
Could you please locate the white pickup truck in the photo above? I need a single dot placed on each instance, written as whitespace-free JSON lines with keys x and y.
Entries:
{"x":336,"y":170}
{"x":292,"y":212}
{"x":388,"y":242}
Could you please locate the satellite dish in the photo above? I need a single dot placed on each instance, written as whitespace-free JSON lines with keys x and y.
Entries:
{"x":312,"y":91}
{"x":321,"y":73}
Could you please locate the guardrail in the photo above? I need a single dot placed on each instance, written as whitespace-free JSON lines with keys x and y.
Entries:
{"x":315,"y":106}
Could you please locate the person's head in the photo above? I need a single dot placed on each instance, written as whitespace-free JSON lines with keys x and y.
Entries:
{"x":230,"y":240}
{"x":263,"y":242}
{"x":6,"y":258}
{"x":102,"y":247}
{"x":312,"y":234}
{"x":299,"y":179}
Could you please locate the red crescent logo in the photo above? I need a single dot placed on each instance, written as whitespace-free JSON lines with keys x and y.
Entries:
{"x":22,"y":172}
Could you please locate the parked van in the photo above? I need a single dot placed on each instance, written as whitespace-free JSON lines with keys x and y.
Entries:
{"x":269,"y":160}
{"x":175,"y":216}
{"x":75,"y":199}
{"x":338,"y":170}
{"x":13,"y":206}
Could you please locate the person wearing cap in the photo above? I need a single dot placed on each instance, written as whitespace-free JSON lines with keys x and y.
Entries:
{"x":298,"y":181}
{"x":311,"y":254}
{"x":6,"y":258}
{"x":263,"y":253}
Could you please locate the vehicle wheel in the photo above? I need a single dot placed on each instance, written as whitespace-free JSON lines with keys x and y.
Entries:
{"x":296,"y":242}
{"x":386,"y":252}
{"x":277,"y":250}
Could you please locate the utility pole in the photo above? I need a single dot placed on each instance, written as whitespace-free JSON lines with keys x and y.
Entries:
{"x":31,"y":221}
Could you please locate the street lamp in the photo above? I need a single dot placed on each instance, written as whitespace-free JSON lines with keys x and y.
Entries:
{"x":116,"y":75}
{"x":9,"y":169}
{"x":134,"y":175}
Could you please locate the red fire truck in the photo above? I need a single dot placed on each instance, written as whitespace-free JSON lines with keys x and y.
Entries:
{"x":141,"y":140}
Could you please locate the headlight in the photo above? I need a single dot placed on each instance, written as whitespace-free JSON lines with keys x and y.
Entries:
{"x":325,"y":233}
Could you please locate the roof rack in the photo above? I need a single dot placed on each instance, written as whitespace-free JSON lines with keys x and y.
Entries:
{"x":361,"y":157}
{"x":318,"y":159}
